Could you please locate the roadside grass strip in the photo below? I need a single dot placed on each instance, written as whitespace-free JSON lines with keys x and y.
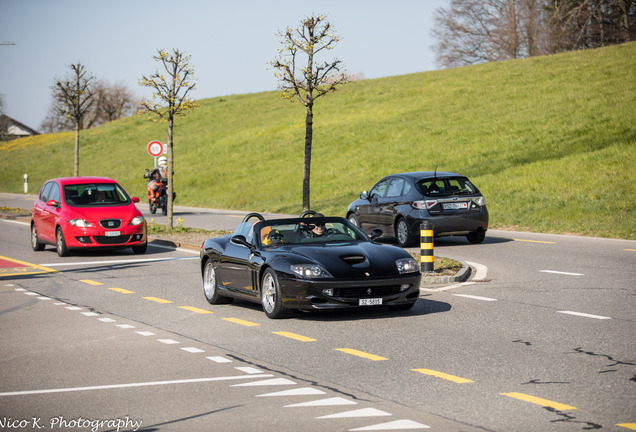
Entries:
{"x":295,"y":336}
{"x":361,"y":354}
{"x":539,"y":401}
{"x":448,"y":377}
{"x":13,"y":267}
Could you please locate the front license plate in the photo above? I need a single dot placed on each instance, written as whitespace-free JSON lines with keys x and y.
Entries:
{"x":455,"y":205}
{"x":370,"y":302}
{"x":112,"y":233}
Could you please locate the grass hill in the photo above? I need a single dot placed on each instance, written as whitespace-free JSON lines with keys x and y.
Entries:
{"x":550,"y":141}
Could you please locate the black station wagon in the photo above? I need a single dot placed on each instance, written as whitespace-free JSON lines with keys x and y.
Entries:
{"x":399,"y":203}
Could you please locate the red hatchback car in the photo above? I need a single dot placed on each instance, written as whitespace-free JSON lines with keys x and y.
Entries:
{"x":86,"y":212}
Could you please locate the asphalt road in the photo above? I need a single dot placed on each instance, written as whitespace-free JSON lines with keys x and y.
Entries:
{"x":542,"y":338}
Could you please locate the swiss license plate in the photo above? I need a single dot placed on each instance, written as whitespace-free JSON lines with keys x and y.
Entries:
{"x":112,"y":233}
{"x":455,"y":205}
{"x":370,"y":302}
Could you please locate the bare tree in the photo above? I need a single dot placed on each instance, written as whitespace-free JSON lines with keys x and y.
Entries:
{"x":73,"y":98}
{"x":307,"y":83}
{"x":170,"y":99}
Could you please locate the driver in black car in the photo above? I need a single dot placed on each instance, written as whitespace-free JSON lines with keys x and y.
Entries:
{"x":315,"y":230}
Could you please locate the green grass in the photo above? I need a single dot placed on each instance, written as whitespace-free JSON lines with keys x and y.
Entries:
{"x":550,"y":141}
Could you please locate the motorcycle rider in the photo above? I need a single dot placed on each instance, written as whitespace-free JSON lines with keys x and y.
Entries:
{"x":156,"y":175}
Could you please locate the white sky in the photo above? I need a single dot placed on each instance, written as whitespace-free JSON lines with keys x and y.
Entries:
{"x":231,"y":42}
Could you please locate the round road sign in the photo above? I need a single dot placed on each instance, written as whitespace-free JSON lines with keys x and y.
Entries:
{"x":155,"y":148}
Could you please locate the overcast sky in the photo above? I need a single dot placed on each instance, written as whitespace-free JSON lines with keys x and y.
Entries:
{"x":231,"y":42}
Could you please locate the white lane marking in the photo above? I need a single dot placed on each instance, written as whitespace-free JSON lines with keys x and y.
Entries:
{"x":364,"y":412}
{"x":73,"y":308}
{"x":249,"y":370}
{"x":90,"y":314}
{"x":394,"y":425}
{"x":585,"y":315}
{"x":146,"y":333}
{"x":334,"y":401}
{"x":304,"y":391}
{"x":475,"y":297}
{"x":273,"y":381}
{"x":129,"y":385}
{"x":131,"y":261}
{"x":219,"y":359}
{"x":125,"y":326}
{"x":193,"y":350}
{"x":106,"y":320}
{"x":562,"y":273}
{"x":168,"y":341}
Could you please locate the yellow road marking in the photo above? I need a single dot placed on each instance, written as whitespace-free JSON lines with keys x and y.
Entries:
{"x":242,"y":322}
{"x":534,"y":241}
{"x":361,"y":354}
{"x":158,"y":300}
{"x":121,"y":290}
{"x":197,"y":310}
{"x":90,"y":282}
{"x":295,"y":336}
{"x":539,"y":401}
{"x":631,"y":426}
{"x":28,"y":270}
{"x":443,"y":375}
{"x":630,"y":250}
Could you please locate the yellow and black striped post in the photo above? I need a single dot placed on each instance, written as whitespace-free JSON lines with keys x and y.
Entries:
{"x":427,"y":259}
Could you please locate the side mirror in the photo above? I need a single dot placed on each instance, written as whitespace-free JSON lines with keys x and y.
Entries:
{"x":135,"y":199}
{"x":364,"y":194}
{"x":52,"y":203}
{"x":376,"y":233}
{"x":240,"y":240}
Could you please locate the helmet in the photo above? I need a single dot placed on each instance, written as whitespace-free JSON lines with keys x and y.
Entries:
{"x":163,"y":160}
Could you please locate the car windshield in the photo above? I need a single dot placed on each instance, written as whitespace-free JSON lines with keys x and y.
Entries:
{"x":95,"y":195}
{"x":447,"y":187}
{"x":307,"y":231}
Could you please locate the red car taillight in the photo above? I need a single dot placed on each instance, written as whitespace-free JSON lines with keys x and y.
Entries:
{"x":424,"y":205}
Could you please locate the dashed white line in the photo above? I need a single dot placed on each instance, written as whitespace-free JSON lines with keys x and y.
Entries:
{"x":561,"y":273}
{"x":474,"y":297}
{"x":585,"y":315}
{"x":192,"y":350}
{"x":364,"y":412}
{"x":167,"y":341}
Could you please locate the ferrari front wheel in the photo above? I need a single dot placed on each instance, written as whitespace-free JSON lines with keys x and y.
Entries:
{"x":210,"y":286}
{"x":270,"y":295}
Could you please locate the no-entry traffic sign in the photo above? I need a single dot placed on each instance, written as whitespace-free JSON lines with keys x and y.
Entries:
{"x":155,"y":148}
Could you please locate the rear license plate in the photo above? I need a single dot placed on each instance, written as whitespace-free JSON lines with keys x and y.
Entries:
{"x":370,"y":302}
{"x":455,"y":205}
{"x":112,"y":233}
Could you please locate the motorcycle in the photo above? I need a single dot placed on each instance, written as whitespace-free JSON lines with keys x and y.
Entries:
{"x":157,"y":192}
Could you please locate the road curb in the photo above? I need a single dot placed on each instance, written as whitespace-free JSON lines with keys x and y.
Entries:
{"x":461,"y":276}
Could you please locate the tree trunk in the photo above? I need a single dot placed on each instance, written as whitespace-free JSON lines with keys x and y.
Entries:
{"x":169,"y":190}
{"x":77,"y":140}
{"x":309,"y":124}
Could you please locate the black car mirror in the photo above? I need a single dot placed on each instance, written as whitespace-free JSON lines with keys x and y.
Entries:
{"x":364,"y":194}
{"x":376,"y":233}
{"x":240,"y":240}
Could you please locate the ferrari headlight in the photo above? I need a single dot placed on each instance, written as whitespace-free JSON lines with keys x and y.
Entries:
{"x":407,"y":265}
{"x":80,"y":223}
{"x":310,"y":271}
{"x":137,"y":220}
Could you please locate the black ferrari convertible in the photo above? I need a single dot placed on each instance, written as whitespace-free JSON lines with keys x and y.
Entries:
{"x":307,"y":263}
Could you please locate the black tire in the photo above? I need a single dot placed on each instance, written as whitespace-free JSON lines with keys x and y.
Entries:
{"x":141,"y":249}
{"x":35,"y":241}
{"x":353,"y":219}
{"x":476,"y":237}
{"x":402,"y":234}
{"x":210,"y":285}
{"x":271,"y":297}
{"x":60,"y":244}
{"x":153,"y":207}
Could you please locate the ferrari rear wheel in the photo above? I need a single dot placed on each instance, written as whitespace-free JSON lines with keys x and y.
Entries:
{"x":270,"y":296}
{"x":210,"y":284}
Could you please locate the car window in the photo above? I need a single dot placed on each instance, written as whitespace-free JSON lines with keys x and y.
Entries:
{"x":44,"y":193}
{"x":379,"y":189}
{"x":54,"y":193}
{"x":395,"y":189}
{"x":447,"y":187}
{"x":314,"y":232}
{"x":95,"y":195}
{"x":246,"y":229}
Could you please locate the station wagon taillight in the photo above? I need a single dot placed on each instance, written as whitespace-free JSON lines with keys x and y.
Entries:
{"x":424,"y":205}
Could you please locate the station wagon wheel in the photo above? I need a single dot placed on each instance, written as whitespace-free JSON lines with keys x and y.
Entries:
{"x":35,"y":241}
{"x":402,"y":234}
{"x":354,"y":219}
{"x":60,"y":244}
{"x":210,"y":284}
{"x":270,"y":296}
{"x":476,"y":237}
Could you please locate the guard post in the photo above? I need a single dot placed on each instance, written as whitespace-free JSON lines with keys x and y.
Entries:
{"x":427,"y":259}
